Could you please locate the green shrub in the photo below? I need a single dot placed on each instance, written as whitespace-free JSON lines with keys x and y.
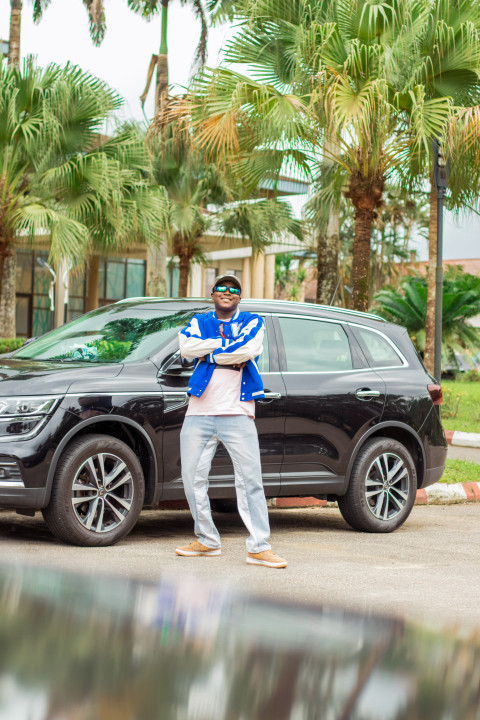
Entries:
{"x":469,"y":376}
{"x":9,"y":344}
{"x":451,"y":401}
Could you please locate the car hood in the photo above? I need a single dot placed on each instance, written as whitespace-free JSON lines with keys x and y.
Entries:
{"x":34,"y":377}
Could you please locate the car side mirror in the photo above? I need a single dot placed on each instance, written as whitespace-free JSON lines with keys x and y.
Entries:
{"x":176,"y":366}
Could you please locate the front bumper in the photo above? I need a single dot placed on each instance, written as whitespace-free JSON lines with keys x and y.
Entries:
{"x":22,"y":497}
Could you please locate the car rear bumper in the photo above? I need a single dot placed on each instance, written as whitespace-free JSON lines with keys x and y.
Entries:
{"x":433,"y":475}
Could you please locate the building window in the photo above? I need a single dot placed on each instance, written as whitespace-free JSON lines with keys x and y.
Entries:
{"x":32,"y":285}
{"x":120,"y":278}
{"x":77,"y":291}
{"x":173,"y":279}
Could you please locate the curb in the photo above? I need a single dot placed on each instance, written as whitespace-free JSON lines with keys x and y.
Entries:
{"x":437,"y":494}
{"x":464,"y":439}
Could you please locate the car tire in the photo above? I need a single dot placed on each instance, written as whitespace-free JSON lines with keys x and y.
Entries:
{"x":224,"y":505}
{"x":382,"y":488}
{"x":110,"y":508}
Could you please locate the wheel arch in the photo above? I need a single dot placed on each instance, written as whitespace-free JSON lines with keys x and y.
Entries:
{"x":396,"y":431}
{"x":123,"y":429}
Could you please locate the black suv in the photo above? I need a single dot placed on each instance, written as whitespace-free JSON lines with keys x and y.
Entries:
{"x":90,"y":417}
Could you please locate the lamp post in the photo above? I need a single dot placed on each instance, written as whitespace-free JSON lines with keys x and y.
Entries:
{"x":440,"y":180}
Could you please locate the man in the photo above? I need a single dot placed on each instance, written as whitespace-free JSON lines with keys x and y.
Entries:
{"x":225,"y":344}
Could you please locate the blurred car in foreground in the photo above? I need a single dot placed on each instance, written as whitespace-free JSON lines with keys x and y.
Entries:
{"x":95,"y":648}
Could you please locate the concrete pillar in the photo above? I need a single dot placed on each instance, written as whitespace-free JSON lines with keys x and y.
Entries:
{"x":258,"y":275}
{"x":195,"y":281}
{"x":247,"y":278}
{"x":269,"y":276}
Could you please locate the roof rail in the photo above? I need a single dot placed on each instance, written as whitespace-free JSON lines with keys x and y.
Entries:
{"x":289,"y":303}
{"x":330,"y":308}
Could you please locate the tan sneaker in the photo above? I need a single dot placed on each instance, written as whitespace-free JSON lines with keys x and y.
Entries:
{"x":196,"y":548}
{"x":268,"y":558}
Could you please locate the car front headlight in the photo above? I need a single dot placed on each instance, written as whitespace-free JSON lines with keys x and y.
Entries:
{"x":25,"y":415}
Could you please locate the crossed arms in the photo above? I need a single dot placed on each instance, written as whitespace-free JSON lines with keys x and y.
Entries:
{"x":226,"y":350}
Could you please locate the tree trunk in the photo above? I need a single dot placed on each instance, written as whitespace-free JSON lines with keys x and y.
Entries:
{"x":328,"y":243}
{"x":157,"y":270}
{"x":91,"y":302}
{"x":429,"y":355}
{"x":15,"y":25}
{"x":7,"y":287}
{"x":184,"y":267}
{"x":161,"y":90}
{"x":361,"y":258}
{"x":327,"y":259}
{"x":157,"y":255}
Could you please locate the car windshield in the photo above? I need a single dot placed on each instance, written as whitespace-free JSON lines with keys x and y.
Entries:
{"x":109,"y":335}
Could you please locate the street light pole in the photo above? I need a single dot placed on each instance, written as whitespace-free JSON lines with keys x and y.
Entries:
{"x":440,"y":180}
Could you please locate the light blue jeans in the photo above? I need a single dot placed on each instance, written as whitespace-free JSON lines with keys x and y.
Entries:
{"x":198,"y":442}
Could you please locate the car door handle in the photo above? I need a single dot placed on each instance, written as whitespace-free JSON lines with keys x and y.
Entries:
{"x":271,"y":396}
{"x":367,"y":393}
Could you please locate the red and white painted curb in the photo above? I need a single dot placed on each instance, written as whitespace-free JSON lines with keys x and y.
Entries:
{"x":437,"y":494}
{"x":464,"y":439}
{"x":443,"y":493}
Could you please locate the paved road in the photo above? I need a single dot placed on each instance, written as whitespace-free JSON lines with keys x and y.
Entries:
{"x":456,"y":452}
{"x":428,"y":570}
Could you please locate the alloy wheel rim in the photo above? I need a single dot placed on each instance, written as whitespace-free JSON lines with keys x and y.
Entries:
{"x":387,"y":486}
{"x":102,"y":492}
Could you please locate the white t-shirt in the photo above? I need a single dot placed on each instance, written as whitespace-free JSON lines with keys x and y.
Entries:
{"x":222,"y":396}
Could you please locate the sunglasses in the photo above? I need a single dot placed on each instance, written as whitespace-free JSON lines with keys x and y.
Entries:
{"x":224,"y":288}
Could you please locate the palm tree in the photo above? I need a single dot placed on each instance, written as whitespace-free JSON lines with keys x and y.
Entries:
{"x":15,"y":26}
{"x":96,"y":16}
{"x":55,"y":178}
{"x":148,"y":9}
{"x":326,"y":70}
{"x":446,"y":58}
{"x":407,"y":306}
{"x":157,"y":280}
{"x":192,"y":183}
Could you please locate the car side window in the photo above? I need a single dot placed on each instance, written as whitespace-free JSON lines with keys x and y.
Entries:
{"x":264,"y":359}
{"x":379,"y":352}
{"x":314,"y":345}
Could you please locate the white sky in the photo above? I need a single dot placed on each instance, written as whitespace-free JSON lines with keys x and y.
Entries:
{"x":123,"y":58}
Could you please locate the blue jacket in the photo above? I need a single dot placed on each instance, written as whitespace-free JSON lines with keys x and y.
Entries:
{"x":243,"y":342}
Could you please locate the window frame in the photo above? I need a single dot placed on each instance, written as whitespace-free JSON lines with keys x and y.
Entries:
{"x":403,"y":362}
{"x":358,"y":362}
{"x":359,"y":355}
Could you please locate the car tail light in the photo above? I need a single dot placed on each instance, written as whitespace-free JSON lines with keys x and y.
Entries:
{"x":436,"y":394}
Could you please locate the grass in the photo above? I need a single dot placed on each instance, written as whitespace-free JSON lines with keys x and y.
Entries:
{"x":457,"y":471}
{"x":461,"y":406}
